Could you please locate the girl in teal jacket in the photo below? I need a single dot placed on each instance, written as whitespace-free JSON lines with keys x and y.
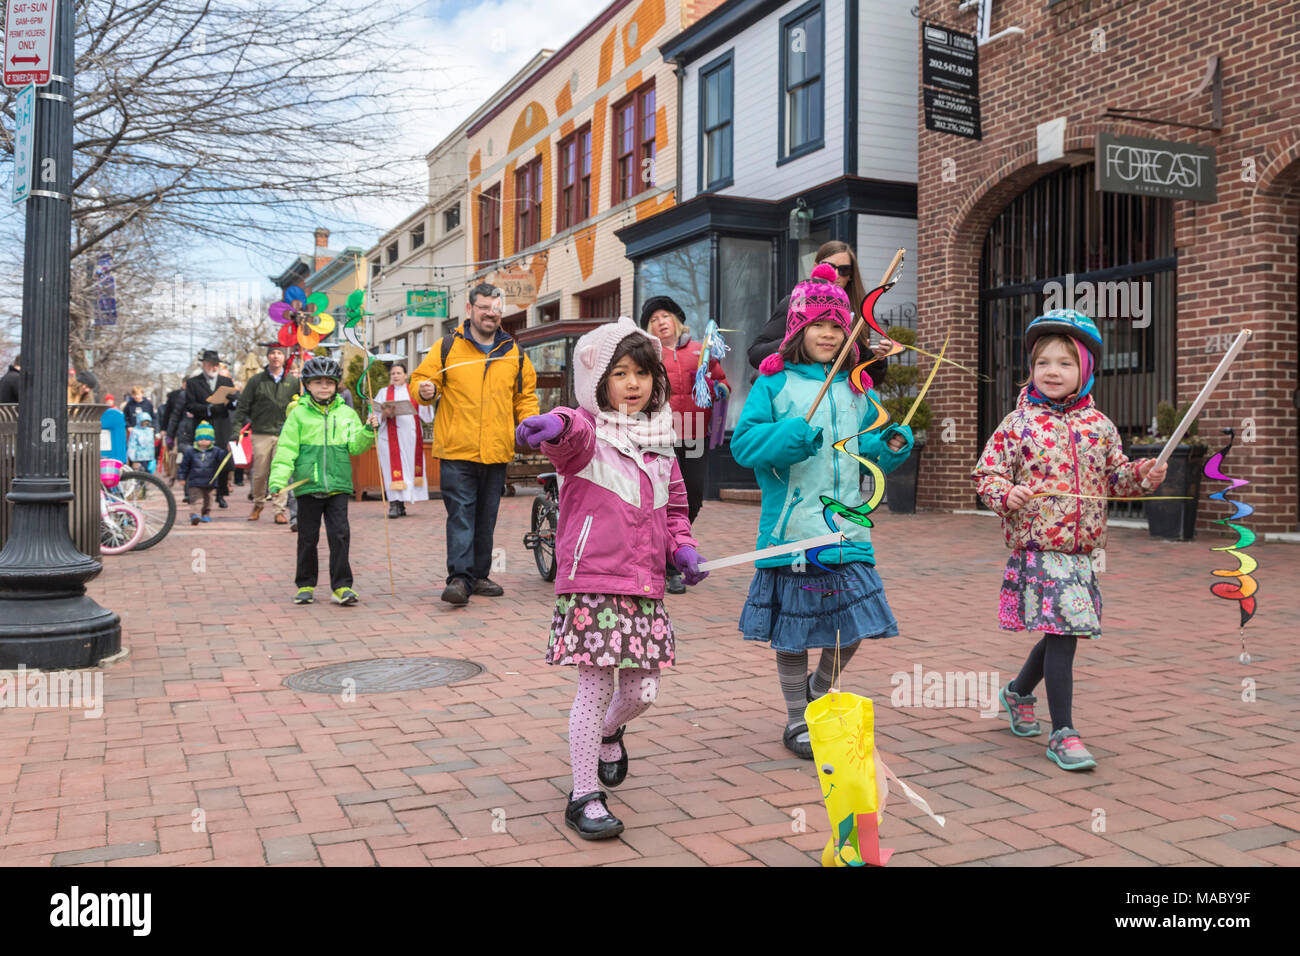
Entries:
{"x":793,"y":606}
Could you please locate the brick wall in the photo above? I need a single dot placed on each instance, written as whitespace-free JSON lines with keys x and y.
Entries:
{"x":1237,"y":263}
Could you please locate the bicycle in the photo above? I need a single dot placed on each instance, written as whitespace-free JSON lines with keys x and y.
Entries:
{"x":545,"y":515}
{"x":149,"y":495}
{"x":121,"y":524}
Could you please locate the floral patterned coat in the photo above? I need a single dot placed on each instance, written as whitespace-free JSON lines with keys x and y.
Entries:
{"x":1077,"y":451}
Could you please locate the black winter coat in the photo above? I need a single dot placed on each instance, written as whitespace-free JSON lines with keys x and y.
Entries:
{"x":773,"y":334}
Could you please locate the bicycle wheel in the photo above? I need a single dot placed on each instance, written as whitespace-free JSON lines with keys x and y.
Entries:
{"x":543,"y":525}
{"x":121,"y":527}
{"x":149,"y":495}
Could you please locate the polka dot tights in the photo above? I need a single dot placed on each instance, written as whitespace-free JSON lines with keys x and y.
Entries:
{"x":599,"y":709}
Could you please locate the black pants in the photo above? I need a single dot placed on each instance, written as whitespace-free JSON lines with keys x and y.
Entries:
{"x":694,"y":472}
{"x":334,"y":509}
{"x":471,"y":491}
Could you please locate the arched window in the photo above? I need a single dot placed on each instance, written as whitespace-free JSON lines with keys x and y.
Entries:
{"x":1063,"y":244}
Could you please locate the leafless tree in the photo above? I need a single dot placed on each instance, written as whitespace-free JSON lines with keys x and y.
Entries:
{"x":236,"y":120}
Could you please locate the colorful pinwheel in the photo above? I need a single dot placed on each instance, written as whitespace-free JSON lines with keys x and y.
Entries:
{"x":302,"y":318}
{"x":355,"y":313}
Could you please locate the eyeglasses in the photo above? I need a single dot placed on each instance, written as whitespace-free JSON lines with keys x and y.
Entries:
{"x":845,"y":271}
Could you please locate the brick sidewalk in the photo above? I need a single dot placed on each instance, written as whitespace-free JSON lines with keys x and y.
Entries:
{"x":197,"y":725}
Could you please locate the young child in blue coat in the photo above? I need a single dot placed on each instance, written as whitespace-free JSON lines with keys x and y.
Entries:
{"x":791,"y":604}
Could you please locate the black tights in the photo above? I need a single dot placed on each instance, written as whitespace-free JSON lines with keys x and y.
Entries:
{"x":1052,"y":659}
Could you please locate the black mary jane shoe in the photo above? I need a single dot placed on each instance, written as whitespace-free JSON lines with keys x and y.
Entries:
{"x":601,"y":828}
{"x":613,"y":772}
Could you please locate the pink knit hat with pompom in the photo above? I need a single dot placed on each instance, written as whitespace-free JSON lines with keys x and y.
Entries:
{"x":819,"y":299}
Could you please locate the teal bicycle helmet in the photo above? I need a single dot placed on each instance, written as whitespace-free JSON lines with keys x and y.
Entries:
{"x":1078,"y":327}
{"x":1065,"y":322}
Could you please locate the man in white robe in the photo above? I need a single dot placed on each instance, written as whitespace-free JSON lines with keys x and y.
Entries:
{"x":400,"y":441}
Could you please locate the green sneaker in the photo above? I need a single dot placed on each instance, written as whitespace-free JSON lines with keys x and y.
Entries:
{"x":1020,"y":707}
{"x":1066,"y":750}
{"x":345,"y":596}
{"x":304,"y":596}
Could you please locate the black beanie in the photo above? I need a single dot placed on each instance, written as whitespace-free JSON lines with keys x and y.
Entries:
{"x":655,"y":303}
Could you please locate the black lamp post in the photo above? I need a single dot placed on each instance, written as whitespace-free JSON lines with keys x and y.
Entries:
{"x":46,"y":619}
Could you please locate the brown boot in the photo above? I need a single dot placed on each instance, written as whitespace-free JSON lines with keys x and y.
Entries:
{"x":256,"y":513}
{"x":281,"y":519}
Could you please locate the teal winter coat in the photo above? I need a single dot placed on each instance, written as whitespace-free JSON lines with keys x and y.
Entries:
{"x":795,"y":463}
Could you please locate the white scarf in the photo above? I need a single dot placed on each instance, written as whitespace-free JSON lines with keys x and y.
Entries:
{"x":637,"y":434}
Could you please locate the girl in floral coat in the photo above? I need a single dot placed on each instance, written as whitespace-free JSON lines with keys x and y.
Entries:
{"x":1048,"y":471}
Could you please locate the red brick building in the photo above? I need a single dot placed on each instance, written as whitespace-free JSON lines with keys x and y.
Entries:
{"x":996,"y":225}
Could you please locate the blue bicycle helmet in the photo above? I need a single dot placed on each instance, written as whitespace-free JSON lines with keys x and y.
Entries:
{"x":1065,"y":322}
{"x":1078,"y":327}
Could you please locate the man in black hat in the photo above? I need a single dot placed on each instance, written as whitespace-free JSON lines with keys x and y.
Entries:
{"x":197,"y":392}
{"x":263,"y":404}
{"x":9,"y":382}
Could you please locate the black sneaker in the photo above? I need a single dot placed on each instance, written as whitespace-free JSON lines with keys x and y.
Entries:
{"x":457,"y":592}
{"x":488,"y":588}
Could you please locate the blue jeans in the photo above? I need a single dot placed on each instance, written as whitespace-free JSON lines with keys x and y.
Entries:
{"x":471,"y":491}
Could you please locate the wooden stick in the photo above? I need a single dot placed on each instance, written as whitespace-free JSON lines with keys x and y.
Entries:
{"x":383,"y":487}
{"x":775,"y":551}
{"x":1237,"y":345}
{"x":853,"y":337}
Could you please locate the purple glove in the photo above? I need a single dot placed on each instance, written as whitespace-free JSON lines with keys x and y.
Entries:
{"x":535,"y":429}
{"x":687,"y":560}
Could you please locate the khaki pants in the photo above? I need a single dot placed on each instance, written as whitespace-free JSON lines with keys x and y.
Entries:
{"x":263,"y":452}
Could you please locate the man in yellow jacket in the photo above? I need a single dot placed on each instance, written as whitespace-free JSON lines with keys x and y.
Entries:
{"x":487,"y":387}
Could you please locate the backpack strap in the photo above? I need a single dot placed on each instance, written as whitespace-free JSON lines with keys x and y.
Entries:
{"x":519,"y":369}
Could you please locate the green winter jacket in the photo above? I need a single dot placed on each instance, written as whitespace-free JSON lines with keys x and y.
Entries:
{"x":318,"y":444}
{"x":263,"y":403}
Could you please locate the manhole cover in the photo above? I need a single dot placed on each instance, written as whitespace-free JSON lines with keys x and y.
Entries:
{"x":383,"y":676}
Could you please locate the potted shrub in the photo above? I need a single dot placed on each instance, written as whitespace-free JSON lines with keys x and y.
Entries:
{"x":896,"y":391}
{"x":1173,"y":520}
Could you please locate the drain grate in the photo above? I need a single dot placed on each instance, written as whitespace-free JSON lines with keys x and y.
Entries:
{"x":383,"y":676}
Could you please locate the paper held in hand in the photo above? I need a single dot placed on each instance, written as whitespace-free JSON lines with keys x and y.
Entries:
{"x":222,"y":395}
{"x":392,"y":409}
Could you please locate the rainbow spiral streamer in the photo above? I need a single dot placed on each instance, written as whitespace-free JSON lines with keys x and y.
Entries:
{"x":1244,"y":588}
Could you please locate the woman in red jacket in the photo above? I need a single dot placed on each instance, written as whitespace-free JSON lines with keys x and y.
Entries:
{"x":664,"y":319}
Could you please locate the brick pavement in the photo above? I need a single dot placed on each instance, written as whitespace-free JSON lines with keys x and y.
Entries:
{"x":203,"y":756}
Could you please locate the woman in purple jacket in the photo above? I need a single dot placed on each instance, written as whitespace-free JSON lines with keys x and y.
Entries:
{"x":623,"y":511}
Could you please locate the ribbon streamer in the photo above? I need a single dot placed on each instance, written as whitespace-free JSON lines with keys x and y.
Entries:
{"x":1244,"y":588}
{"x":714,"y":347}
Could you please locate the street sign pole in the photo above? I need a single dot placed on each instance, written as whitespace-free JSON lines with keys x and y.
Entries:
{"x":46,"y":619}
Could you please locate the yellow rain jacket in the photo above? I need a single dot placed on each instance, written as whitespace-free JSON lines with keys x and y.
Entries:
{"x":481,"y":396}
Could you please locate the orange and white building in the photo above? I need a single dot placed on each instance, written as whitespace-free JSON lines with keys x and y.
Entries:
{"x":584,"y":146}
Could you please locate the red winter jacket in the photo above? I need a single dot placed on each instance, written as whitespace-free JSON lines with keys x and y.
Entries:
{"x":681,"y":363}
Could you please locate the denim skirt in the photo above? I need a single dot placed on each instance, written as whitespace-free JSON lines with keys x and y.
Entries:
{"x":796,"y":611}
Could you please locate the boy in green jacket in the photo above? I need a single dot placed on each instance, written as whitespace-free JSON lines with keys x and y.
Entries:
{"x":319,"y":438}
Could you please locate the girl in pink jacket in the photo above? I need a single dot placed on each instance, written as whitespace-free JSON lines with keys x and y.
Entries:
{"x":1048,"y":470}
{"x":623,"y":512}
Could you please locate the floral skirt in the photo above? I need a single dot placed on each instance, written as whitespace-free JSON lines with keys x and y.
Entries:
{"x":610,"y":630}
{"x":1051,"y":592}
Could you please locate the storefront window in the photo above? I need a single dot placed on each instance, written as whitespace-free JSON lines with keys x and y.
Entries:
{"x":683,"y":275}
{"x":745,"y":277}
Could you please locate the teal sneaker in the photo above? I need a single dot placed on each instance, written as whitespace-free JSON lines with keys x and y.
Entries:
{"x":345,"y":596}
{"x":304,"y":596}
{"x":1066,"y":750}
{"x":1020,"y":708}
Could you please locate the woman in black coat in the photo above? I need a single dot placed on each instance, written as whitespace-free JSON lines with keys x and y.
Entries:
{"x":840,"y":255}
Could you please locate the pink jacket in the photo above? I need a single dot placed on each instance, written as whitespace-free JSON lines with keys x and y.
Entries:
{"x":619,"y":524}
